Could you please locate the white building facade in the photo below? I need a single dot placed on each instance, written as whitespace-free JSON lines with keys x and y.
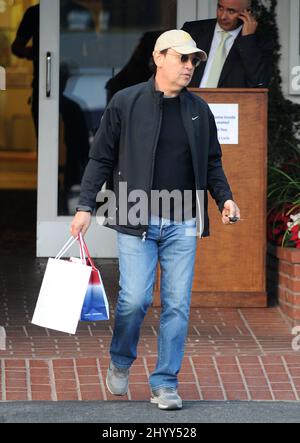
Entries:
{"x":53,"y":224}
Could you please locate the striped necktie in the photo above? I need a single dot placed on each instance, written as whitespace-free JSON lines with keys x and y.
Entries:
{"x":218,"y":62}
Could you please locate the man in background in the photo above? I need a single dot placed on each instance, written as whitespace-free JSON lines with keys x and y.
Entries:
{"x":237,"y":56}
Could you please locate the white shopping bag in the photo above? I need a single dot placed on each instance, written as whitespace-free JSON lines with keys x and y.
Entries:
{"x":62,"y":293}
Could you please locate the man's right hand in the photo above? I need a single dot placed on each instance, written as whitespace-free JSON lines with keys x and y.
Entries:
{"x":250,"y":23}
{"x":80,"y":223}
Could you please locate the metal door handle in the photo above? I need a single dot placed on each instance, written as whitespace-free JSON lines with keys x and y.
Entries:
{"x":48,"y":74}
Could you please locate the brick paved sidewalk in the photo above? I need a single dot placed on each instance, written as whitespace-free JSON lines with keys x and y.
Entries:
{"x":231,"y":354}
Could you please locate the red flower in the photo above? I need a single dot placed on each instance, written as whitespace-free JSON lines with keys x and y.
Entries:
{"x":278,"y":228}
{"x":295,"y":233}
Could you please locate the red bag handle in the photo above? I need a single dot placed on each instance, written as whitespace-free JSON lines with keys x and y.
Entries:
{"x":85,"y":248}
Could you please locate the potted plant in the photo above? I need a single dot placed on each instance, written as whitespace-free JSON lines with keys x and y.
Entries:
{"x":284,"y":176}
{"x":284,"y":236}
{"x":284,"y":204}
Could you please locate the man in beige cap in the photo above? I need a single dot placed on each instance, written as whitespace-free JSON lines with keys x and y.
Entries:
{"x":186,"y":57}
{"x":157,"y":137}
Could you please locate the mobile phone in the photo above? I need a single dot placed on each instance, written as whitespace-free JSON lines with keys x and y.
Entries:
{"x":233,"y":219}
{"x":241,"y":21}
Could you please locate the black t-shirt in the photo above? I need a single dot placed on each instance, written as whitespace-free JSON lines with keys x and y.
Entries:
{"x":173,"y":161}
{"x":29,"y":28}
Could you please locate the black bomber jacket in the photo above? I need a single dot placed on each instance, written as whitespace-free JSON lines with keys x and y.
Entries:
{"x":125,"y":146}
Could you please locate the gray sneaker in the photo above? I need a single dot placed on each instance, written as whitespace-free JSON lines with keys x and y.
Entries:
{"x":166,"y":398}
{"x":117,"y":380}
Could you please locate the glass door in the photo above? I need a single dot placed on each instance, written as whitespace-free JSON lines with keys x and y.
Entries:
{"x":89,"y":49}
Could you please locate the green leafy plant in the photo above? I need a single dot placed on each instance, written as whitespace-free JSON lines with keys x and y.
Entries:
{"x":284,"y":115}
{"x":284,"y":205}
{"x":283,"y":142}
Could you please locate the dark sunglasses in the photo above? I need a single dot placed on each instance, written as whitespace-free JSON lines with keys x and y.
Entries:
{"x":184,"y":58}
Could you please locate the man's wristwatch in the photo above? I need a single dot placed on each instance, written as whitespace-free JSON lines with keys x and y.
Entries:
{"x":84,"y":209}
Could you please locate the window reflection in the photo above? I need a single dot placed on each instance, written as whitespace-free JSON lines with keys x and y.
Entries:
{"x":138,"y":69}
{"x":104,"y":46}
{"x":19,"y":48}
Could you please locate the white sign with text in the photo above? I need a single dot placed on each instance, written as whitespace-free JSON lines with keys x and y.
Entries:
{"x":227,"y":121}
{"x":2,"y":78}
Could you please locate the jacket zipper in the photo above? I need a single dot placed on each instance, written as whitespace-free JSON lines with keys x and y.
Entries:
{"x":200,"y":216}
{"x":201,"y":222}
{"x":153,"y":157}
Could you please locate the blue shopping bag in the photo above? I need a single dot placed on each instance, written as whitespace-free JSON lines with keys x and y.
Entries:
{"x":95,"y":305}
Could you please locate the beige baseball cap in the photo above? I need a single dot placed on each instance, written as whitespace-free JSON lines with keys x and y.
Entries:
{"x":180,"y":41}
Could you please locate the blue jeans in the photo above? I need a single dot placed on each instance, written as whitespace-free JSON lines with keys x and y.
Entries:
{"x":174,"y":245}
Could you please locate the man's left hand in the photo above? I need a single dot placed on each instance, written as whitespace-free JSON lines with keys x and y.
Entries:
{"x":230,"y":210}
{"x":250,"y":23}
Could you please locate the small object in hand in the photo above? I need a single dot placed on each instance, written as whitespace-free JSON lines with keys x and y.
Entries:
{"x":233,"y":219}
